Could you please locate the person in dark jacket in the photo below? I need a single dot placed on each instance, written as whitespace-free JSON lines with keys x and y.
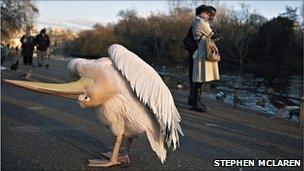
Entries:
{"x":5,"y":51}
{"x":27,"y":48}
{"x":42,"y":42}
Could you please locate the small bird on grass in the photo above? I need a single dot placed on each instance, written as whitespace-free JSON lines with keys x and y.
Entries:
{"x":14,"y":66}
{"x":179,"y":86}
{"x":282,"y":103}
{"x":261,"y":102}
{"x":236,"y":97}
{"x":220,"y":96}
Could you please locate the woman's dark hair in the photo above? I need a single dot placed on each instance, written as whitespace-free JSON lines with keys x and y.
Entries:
{"x":211,"y":10}
{"x":201,"y":8}
{"x":43,"y":31}
{"x":204,"y":8}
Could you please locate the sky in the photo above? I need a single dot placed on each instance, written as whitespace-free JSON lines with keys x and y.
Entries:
{"x":78,"y":15}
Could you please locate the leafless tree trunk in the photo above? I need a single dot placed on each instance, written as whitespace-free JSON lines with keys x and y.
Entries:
{"x":238,"y":42}
{"x":173,"y":4}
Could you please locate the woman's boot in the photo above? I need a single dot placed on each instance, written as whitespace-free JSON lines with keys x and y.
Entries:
{"x":200,"y":97}
{"x":197,"y":106}
{"x":191,"y":95}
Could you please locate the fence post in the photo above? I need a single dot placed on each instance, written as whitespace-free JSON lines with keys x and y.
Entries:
{"x":301,"y":114}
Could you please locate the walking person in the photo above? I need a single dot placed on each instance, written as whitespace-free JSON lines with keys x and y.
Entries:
{"x":5,"y":50}
{"x":201,"y":69}
{"x":27,"y":48}
{"x":15,"y":54}
{"x":42,"y":42}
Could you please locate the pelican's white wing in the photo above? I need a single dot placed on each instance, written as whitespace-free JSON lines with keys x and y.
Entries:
{"x":150,"y":89}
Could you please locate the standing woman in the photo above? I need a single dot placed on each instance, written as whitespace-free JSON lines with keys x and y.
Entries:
{"x":203,"y":70}
{"x":27,"y":48}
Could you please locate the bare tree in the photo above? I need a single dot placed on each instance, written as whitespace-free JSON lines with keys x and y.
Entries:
{"x":236,"y":27}
{"x":302,"y":13}
{"x":173,"y":4}
{"x":16,"y":15}
{"x":196,"y":3}
{"x":290,"y":13}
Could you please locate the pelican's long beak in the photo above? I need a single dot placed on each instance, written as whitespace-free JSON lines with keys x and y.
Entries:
{"x":69,"y":90}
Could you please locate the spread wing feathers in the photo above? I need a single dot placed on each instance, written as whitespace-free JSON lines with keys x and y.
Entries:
{"x":71,"y":71}
{"x":150,"y":89}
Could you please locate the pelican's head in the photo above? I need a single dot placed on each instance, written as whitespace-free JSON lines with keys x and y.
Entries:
{"x":94,"y":83}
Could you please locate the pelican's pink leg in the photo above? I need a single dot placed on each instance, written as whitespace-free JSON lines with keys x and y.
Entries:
{"x":114,"y":158}
{"x":123,"y":158}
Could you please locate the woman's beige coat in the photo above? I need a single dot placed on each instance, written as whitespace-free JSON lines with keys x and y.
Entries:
{"x":203,"y":70}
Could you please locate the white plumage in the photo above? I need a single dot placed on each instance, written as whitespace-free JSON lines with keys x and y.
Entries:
{"x":150,"y":89}
{"x":143,"y":103}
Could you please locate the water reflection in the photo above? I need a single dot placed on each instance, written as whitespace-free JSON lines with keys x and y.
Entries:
{"x":255,"y":92}
{"x":265,"y":95}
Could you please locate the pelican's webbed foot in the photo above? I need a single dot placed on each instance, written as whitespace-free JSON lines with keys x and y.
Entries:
{"x":114,"y":157}
{"x":123,"y":158}
{"x":102,"y":163}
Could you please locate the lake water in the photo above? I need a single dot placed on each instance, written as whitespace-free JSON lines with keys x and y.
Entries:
{"x":248,"y":98}
{"x":252,"y":99}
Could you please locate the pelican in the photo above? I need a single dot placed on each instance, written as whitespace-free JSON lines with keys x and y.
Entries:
{"x":130,"y":96}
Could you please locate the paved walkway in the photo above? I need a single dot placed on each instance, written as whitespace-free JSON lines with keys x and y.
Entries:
{"x":41,"y":132}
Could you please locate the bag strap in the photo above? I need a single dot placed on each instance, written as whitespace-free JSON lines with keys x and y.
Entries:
{"x":199,"y":39}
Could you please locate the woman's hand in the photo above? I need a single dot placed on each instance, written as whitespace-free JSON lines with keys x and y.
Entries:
{"x":216,"y":36}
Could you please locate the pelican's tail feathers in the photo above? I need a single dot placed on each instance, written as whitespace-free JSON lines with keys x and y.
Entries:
{"x":157,"y":145}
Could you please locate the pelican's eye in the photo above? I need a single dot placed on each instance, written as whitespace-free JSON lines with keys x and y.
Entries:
{"x":87,"y":98}
{"x":84,"y":98}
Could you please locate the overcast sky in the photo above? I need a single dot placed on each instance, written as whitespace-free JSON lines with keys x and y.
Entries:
{"x":78,"y":15}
